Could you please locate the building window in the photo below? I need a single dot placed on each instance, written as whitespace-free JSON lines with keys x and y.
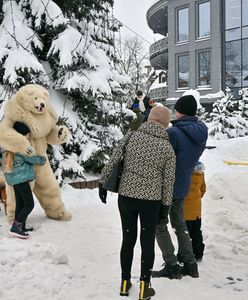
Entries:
{"x":203,"y":19}
{"x":245,"y":32}
{"x":244,"y":12}
{"x":162,"y":78}
{"x":233,"y":64}
{"x":233,"y":13}
{"x":182,"y":25}
{"x":236,"y":54}
{"x":233,"y":34}
{"x":245,"y":63}
{"x":183,"y":71}
{"x":204,"y":78}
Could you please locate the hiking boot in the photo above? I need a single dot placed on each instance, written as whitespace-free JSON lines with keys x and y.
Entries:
{"x":146,"y":291}
{"x":191,"y":270}
{"x":169,"y":271}
{"x":16,"y":231}
{"x":180,"y":258}
{"x":199,"y":259}
{"x":26,"y":229}
{"x":125,"y":287}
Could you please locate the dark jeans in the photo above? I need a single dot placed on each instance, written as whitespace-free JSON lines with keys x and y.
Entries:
{"x":24,"y":201}
{"x":148,"y":211}
{"x":194,"y":228}
{"x":178,"y":224}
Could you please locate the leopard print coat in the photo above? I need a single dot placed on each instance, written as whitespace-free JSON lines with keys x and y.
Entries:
{"x":149,"y":165}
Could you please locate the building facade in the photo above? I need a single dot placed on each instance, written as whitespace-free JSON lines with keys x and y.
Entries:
{"x":207,"y":45}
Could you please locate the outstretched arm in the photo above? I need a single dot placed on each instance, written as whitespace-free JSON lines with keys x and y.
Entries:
{"x":58,"y":135}
{"x":169,"y":177}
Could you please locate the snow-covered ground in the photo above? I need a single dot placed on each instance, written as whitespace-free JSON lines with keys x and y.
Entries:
{"x":79,"y":260}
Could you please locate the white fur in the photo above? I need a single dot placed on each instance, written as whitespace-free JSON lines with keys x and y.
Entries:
{"x":31,"y":106}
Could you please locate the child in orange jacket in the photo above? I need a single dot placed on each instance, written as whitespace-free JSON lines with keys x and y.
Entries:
{"x":192,"y":210}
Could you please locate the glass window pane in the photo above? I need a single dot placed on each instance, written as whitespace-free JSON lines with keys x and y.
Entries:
{"x":233,"y":34}
{"x":233,"y":13}
{"x":183,"y":25}
{"x":204,"y":68}
{"x":245,"y":62}
{"x":245,"y":32}
{"x":245,"y":12}
{"x":203,"y":19}
{"x":183,"y":71}
{"x":233,"y":64}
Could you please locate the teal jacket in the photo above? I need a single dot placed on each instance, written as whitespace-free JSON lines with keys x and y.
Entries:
{"x":23,"y":168}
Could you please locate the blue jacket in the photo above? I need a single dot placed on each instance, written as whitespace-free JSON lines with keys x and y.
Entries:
{"x":23,"y":168}
{"x":188,"y":137}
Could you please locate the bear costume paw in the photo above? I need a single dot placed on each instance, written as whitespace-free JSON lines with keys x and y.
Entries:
{"x":59,"y":214}
{"x":63,"y":134}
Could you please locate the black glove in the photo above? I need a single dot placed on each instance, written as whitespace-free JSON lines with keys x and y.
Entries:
{"x":102,"y":194}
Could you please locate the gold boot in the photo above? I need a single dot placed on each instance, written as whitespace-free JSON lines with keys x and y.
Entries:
{"x":146,"y":291}
{"x":125,"y":287}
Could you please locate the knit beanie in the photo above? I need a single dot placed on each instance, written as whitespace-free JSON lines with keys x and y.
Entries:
{"x":186,"y":105}
{"x":160,"y":114}
{"x":21,"y":128}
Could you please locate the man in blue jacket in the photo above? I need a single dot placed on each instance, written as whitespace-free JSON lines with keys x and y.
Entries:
{"x":188,"y":137}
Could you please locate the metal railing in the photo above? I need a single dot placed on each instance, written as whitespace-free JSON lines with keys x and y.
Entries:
{"x":160,"y":4}
{"x":158,"y":47}
{"x":159,"y":93}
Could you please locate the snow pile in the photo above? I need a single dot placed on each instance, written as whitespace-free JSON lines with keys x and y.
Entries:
{"x":80,"y":259}
{"x":31,"y":263}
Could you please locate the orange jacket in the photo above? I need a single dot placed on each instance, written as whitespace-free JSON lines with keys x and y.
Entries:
{"x":192,"y":202}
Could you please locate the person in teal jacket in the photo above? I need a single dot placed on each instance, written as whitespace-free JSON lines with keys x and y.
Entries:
{"x":19,"y":171}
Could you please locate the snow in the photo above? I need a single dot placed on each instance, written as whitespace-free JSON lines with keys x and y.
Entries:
{"x":20,"y":59}
{"x":80,"y":259}
{"x":51,"y":11}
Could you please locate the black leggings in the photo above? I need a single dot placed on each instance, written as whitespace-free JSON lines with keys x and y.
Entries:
{"x":148,"y":211}
{"x":24,"y":201}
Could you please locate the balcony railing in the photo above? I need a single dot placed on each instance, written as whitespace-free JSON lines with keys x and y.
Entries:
{"x":159,"y":93}
{"x":159,"y":54}
{"x":158,"y":47}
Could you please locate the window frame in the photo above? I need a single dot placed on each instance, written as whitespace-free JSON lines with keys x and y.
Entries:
{"x":178,"y":55}
{"x":236,"y":72}
{"x":177,"y":24}
{"x":235,"y":25}
{"x":197,"y":19}
{"x":198,"y":52}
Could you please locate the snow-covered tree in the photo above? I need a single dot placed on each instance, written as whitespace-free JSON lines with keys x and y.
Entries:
{"x":133,"y":61}
{"x":68,"y":46}
{"x":227,"y":121}
{"x":243,"y":103}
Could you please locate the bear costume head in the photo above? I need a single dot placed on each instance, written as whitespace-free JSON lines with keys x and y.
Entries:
{"x":31,"y":106}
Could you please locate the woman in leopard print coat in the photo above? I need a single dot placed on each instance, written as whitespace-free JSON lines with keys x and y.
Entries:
{"x":147,"y":182}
